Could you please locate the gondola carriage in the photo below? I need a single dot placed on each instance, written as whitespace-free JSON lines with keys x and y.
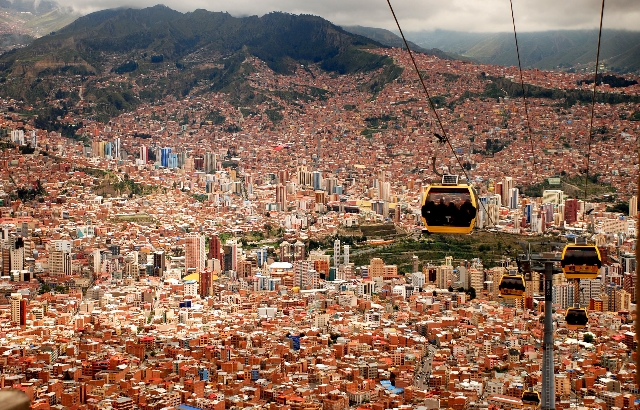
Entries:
{"x":449,"y":207}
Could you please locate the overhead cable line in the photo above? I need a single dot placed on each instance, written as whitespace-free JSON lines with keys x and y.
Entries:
{"x":444,"y":138}
{"x":593,"y":106}
{"x":524,"y":94}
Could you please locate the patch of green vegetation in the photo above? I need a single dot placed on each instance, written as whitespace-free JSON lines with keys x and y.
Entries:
{"x":450,"y":77}
{"x":568,"y":97}
{"x":635,"y":116}
{"x":200,"y":197}
{"x":215,"y":117}
{"x":489,"y":247}
{"x":127,"y":67}
{"x":621,"y":207}
{"x":274,"y":114}
{"x":573,"y":187}
{"x":379,"y":81}
{"x":246,"y":112}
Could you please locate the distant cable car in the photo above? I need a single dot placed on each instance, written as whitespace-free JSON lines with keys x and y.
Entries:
{"x":581,"y":261}
{"x":512,"y":286}
{"x":531,"y":398}
{"x":449,"y":207}
{"x":576,"y":318}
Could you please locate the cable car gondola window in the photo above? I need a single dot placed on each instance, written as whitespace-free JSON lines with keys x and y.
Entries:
{"x":449,"y":207}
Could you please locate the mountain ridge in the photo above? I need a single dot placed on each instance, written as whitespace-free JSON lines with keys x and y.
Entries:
{"x":157,"y":51}
{"x":556,"y":49}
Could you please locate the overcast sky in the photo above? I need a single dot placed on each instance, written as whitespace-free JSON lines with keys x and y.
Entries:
{"x":414,"y":15}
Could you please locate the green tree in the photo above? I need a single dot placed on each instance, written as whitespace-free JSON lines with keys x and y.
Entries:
{"x":472,"y":293}
{"x":588,"y":338}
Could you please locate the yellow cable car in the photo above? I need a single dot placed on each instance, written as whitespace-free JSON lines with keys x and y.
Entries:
{"x":531,"y":398}
{"x":581,"y":261}
{"x":512,"y":286}
{"x":449,"y":207}
{"x":576,"y":318}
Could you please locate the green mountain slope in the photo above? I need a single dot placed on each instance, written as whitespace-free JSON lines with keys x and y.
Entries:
{"x":545,"y":50}
{"x":275,"y":38}
{"x":157,"y":51}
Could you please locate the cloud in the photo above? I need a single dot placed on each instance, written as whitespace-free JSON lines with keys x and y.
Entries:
{"x":461,"y":15}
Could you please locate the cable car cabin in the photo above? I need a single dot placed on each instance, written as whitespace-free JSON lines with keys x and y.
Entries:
{"x":577,"y":318}
{"x":581,"y":261}
{"x":449,"y":207}
{"x":512,"y":286}
{"x":531,"y":398}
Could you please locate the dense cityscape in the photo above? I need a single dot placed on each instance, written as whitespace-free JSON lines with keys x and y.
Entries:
{"x":197,"y":254}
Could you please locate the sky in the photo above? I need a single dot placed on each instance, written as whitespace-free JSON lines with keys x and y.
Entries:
{"x":417,"y":15}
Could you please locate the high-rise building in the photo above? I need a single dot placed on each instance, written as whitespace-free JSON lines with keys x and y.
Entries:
{"x":317,"y":180}
{"x":172,"y":161}
{"x":164,"y":157}
{"x":210,"y":162}
{"x":571,"y":211}
{"x":336,"y":253}
{"x":215,"y":249}
{"x":231,"y":255}
{"x":304,"y":275}
{"x":552,"y":196}
{"x":633,"y":206}
{"x":194,"y":253}
{"x":159,"y":263}
{"x":346,"y":254}
{"x":514,"y":198}
{"x":444,"y":274}
{"x":261,"y":256}
{"x":60,"y":258}
{"x":144,"y":154}
{"x":205,"y":284}
{"x":281,"y":197}
{"x":299,"y":251}
{"x":131,"y":265}
{"x":116,"y":148}
{"x":18,"y":309}
{"x":507,"y":186}
{"x":376,"y":268}
{"x":286,"y":252}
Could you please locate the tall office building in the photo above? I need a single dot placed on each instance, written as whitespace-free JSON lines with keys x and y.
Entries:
{"x":514,"y":198}
{"x":210,"y":163}
{"x":507,"y":185}
{"x":60,"y":258}
{"x":281,"y":197}
{"x":299,"y":251}
{"x":18,"y":309}
{"x":164,"y":157}
{"x":346,"y":254}
{"x":317,"y":180}
{"x":205,"y":283}
{"x":215,"y":248}
{"x":144,"y":154}
{"x":336,"y":253}
{"x":633,"y":206}
{"x":194,"y":254}
{"x":571,"y":211}
{"x":159,"y":263}
{"x":304,"y":275}
{"x":376,"y":268}
{"x":131,"y":265}
{"x":116,"y":148}
{"x":231,"y":255}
